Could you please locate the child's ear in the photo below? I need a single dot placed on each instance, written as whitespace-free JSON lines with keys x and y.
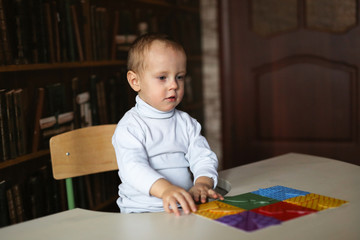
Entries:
{"x":133,"y":80}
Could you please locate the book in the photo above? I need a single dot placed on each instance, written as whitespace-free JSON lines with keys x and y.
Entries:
{"x":80,"y":192}
{"x":56,"y":106}
{"x":89,"y":191}
{"x":53,"y":125}
{"x":60,"y":185}
{"x":101,"y":102}
{"x":22,"y":32}
{"x":56,"y":99}
{"x":93,"y":100}
{"x":86,"y":22}
{"x":35,"y":192}
{"x":69,"y":31}
{"x":4,"y":36}
{"x":55,"y":22}
{"x":4,"y":214}
{"x":104,"y":38}
{"x":38,"y":114}
{"x":4,"y":129}
{"x":11,"y":206}
{"x":10,"y":113}
{"x":83,"y":100}
{"x":34,"y":42}
{"x":98,"y":33}
{"x":38,"y":32}
{"x":20,"y":128}
{"x":64,"y":46}
{"x":112,"y":99}
{"x":94,"y":44}
{"x":18,"y":203}
{"x":50,"y":34}
{"x":53,"y":121}
{"x":113,"y":36}
{"x":78,"y":40}
{"x":76,"y":107}
{"x":50,"y":191}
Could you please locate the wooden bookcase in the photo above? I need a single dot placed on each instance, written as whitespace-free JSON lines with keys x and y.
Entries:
{"x":178,"y":18}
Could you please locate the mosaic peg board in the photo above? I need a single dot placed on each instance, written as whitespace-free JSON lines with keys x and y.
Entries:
{"x":266,"y":207}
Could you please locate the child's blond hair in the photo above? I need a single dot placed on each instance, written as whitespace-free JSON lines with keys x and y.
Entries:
{"x":142,"y":44}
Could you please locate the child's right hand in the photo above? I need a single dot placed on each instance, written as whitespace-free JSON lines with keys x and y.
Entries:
{"x":172,"y":196}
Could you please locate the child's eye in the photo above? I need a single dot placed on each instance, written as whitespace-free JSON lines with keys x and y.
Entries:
{"x":181,"y":77}
{"x":162,"y":78}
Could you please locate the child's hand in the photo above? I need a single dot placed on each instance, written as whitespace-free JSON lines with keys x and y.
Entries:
{"x":171,"y":196}
{"x":174,"y":195}
{"x":203,"y":189}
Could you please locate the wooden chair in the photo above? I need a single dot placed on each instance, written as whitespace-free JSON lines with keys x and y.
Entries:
{"x":81,"y":152}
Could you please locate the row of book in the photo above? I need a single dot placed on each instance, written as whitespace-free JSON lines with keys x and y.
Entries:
{"x":60,"y":107}
{"x":50,"y":31}
{"x":13,"y":139}
{"x":40,"y":195}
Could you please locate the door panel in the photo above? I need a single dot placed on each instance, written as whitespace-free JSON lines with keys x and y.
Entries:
{"x":290,"y":79}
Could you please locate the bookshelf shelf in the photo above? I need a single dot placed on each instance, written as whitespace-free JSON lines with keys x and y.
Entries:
{"x":64,"y":61}
{"x":24,"y":158}
{"x":67,"y":65}
{"x":161,"y":3}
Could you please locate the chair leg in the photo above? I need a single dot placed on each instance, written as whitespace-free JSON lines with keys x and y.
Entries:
{"x":70,"y":193}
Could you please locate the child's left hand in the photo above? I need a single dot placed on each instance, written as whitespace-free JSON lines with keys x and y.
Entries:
{"x":203,"y":189}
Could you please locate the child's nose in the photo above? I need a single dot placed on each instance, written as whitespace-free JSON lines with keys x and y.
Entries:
{"x":173,"y":84}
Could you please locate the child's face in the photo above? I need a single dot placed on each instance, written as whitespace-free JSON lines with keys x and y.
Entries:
{"x":161,"y":83}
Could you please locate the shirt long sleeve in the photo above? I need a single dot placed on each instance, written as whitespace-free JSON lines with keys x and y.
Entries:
{"x":149,"y":145}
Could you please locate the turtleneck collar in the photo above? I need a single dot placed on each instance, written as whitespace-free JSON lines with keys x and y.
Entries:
{"x":148,"y":111}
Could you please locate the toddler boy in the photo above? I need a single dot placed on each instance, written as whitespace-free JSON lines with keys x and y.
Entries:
{"x":164,"y":162}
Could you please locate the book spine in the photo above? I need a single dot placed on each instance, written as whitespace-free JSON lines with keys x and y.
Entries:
{"x":35,"y":193}
{"x":77,"y":33}
{"x":76,"y":106}
{"x":4,"y":129}
{"x":85,"y":7}
{"x":11,"y":206}
{"x":11,"y":123}
{"x":4,"y":213}
{"x":8,"y":56}
{"x":69,"y":31}
{"x":64,"y":47}
{"x":113,"y":37}
{"x":34,"y":44}
{"x":55,"y":22}
{"x":102,"y":106}
{"x":21,"y":25}
{"x":18,"y":200}
{"x":21,"y":136}
{"x":83,"y":100}
{"x":93,"y":100}
{"x":41,"y":31}
{"x":49,"y":27}
{"x":38,"y":114}
{"x":93,"y":32}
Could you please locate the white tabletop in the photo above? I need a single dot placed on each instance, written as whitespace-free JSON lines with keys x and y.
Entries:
{"x":313,"y":174}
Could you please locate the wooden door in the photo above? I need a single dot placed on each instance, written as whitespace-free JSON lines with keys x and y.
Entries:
{"x":290,"y":79}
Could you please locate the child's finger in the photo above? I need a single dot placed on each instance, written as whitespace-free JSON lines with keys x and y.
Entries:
{"x":215,"y":195}
{"x":204,"y":196}
{"x":190,"y":204}
{"x":174,"y":208}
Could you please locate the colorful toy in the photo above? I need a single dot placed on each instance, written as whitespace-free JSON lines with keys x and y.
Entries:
{"x":266,"y":207}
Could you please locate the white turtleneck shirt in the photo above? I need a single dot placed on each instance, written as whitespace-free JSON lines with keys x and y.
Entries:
{"x":150,"y":144}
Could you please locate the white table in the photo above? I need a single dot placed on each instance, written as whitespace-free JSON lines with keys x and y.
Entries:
{"x":313,"y":174}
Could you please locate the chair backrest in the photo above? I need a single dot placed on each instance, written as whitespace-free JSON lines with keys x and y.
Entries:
{"x":83,"y":151}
